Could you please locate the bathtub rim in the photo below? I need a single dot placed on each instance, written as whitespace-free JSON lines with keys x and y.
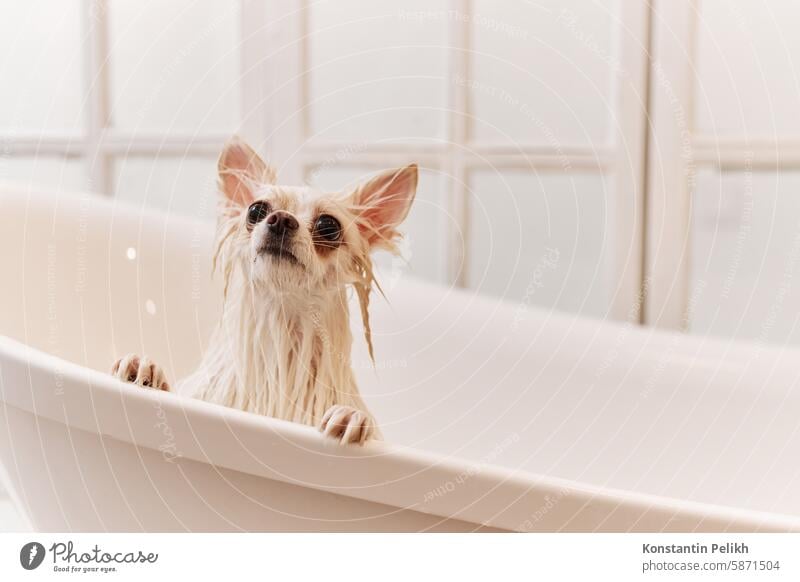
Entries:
{"x":291,"y":438}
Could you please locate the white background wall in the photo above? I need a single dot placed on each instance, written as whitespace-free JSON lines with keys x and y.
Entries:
{"x":746,"y":215}
{"x":539,"y":75}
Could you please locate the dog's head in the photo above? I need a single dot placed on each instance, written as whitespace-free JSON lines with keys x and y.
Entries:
{"x":299,"y":240}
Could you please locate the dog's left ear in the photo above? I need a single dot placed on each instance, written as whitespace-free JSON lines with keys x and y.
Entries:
{"x":383,"y":202}
{"x":241,"y":171}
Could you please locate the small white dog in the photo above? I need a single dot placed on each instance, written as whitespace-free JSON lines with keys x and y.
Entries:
{"x":287,"y":255}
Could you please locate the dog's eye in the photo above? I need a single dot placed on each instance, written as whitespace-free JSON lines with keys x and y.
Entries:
{"x":327,"y":228}
{"x":257,"y":212}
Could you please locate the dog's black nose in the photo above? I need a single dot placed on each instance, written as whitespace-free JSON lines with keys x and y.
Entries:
{"x":281,"y":222}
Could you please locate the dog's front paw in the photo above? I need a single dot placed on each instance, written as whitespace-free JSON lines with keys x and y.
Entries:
{"x":141,"y":371}
{"x":347,"y":424}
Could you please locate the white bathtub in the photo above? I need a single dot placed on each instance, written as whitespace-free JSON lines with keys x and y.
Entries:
{"x":495,"y":416}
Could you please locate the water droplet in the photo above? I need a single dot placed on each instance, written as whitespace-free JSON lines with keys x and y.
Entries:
{"x":131,"y":254}
{"x":150,"y":306}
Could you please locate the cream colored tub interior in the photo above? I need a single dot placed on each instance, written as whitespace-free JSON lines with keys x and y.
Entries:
{"x":495,"y":415}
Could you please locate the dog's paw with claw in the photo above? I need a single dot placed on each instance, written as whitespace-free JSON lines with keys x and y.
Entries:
{"x":141,"y":371}
{"x":347,"y":424}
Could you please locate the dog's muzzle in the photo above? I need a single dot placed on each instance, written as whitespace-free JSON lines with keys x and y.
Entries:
{"x":280,"y":231}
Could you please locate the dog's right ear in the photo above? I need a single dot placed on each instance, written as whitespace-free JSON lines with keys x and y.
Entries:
{"x":242,"y":171}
